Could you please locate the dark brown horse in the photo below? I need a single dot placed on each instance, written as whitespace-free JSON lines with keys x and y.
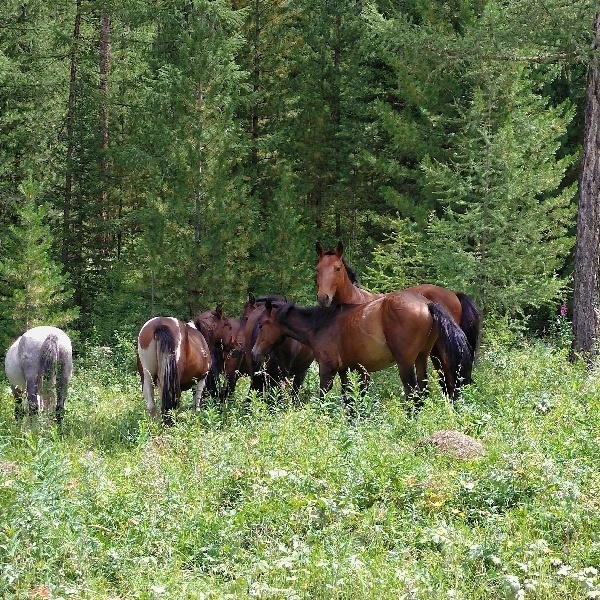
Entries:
{"x":174,"y":357}
{"x":398,"y":328}
{"x":224,"y":336}
{"x":336,"y":282}
{"x":287,"y":359}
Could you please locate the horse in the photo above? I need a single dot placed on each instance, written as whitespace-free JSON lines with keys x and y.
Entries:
{"x":224,"y":336}
{"x":288,"y":359}
{"x":172,"y":356}
{"x":399,"y":328}
{"x":337,"y":282}
{"x":31,"y":366}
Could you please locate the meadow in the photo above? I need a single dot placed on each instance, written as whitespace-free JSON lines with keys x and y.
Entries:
{"x":270,"y":498}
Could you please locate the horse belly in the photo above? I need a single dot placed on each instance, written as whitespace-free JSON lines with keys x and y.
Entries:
{"x":365,"y":346}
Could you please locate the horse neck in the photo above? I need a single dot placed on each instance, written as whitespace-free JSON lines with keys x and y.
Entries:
{"x":297,"y":326}
{"x":350,"y":294}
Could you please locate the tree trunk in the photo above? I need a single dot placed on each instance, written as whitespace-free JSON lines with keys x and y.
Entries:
{"x":104,"y":131}
{"x":585,"y":293}
{"x":69,"y":133}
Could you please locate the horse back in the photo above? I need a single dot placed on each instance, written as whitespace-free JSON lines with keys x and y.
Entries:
{"x":448,"y":299}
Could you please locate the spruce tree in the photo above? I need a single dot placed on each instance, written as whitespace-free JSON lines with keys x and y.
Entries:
{"x":40,"y":291}
{"x":504,"y":232}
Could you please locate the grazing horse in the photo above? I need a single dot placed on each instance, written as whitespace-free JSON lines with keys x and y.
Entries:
{"x":288,"y":359}
{"x":337,"y":282}
{"x":173,"y":356}
{"x":398,"y":328}
{"x":31,"y":367}
{"x":224,"y":336}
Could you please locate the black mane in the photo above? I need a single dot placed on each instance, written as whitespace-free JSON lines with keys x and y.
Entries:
{"x":317,"y":316}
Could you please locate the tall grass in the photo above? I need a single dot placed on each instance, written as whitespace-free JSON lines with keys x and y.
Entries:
{"x":274,"y":499}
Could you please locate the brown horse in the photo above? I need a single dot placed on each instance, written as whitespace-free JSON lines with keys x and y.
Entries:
{"x":288,"y":359}
{"x":224,"y":336}
{"x":398,"y":328}
{"x":337,"y":282}
{"x":172,"y":356}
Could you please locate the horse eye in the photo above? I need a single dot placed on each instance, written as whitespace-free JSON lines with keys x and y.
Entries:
{"x":338,"y":268}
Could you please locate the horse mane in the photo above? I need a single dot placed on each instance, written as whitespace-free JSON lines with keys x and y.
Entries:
{"x":351,"y":273}
{"x":271,"y":297}
{"x":317,"y":316}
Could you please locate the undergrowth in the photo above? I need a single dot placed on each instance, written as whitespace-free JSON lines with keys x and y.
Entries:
{"x":282,"y":499}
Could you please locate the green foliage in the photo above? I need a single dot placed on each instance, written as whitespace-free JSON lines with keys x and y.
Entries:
{"x":398,"y":260}
{"x":503,"y":235}
{"x":40,"y":292}
{"x":230,"y":137}
{"x":292,"y":500}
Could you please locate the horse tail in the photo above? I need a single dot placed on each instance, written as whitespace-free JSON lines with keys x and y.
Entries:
{"x":167,"y":362}
{"x":453,"y":349}
{"x":470,"y":322}
{"x":48,"y":359}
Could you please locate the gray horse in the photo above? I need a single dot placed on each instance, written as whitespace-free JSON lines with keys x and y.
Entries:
{"x":31,"y":366}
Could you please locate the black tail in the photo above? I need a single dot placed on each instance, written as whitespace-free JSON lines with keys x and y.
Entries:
{"x":167,"y":361}
{"x":47,"y":364}
{"x":470,"y":322}
{"x":453,"y":350}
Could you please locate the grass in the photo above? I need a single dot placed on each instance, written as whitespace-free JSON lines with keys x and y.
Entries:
{"x":271,"y":499}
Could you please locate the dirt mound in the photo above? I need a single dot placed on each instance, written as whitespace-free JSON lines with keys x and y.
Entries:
{"x":454,"y":443}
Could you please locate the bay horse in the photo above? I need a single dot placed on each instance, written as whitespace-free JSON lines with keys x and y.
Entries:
{"x":337,"y":282}
{"x":172,"y":356}
{"x":398,"y":328}
{"x":32,"y":364}
{"x":287,"y":359}
{"x":224,"y":336}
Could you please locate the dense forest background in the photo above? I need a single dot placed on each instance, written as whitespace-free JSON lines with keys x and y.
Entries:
{"x":158,"y":157}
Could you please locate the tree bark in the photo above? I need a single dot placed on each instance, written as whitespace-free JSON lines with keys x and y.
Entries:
{"x":69,"y":133}
{"x":104,"y":130}
{"x":586,"y":324}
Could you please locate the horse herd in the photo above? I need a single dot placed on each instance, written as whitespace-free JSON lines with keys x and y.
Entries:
{"x":275,"y":340}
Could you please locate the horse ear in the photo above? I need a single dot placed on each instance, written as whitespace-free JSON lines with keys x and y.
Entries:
{"x":320,"y":249}
{"x":268,"y":305}
{"x":251,"y":298}
{"x":219,"y":311}
{"x":339,"y":250}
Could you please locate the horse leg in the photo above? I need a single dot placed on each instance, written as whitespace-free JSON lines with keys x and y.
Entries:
{"x":326,"y":377}
{"x":437,"y":362}
{"x":198,"y":394}
{"x":148,"y":391}
{"x":19,"y":397}
{"x":32,"y":395}
{"x":409,"y":382}
{"x":296,"y":383}
{"x":345,"y":389}
{"x":421,"y":370}
{"x":61,"y":394}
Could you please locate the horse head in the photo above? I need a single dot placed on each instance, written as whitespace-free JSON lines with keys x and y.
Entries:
{"x":331,"y":273}
{"x":269,"y":332}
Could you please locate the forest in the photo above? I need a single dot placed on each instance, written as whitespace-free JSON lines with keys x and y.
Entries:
{"x":168,"y":156}
{"x":160,"y":157}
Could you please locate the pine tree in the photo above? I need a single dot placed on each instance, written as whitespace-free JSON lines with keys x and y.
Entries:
{"x":503,"y":235}
{"x":41,"y":295}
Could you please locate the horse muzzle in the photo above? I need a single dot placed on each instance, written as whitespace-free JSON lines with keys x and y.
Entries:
{"x":258,"y":356}
{"x":324,"y":300}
